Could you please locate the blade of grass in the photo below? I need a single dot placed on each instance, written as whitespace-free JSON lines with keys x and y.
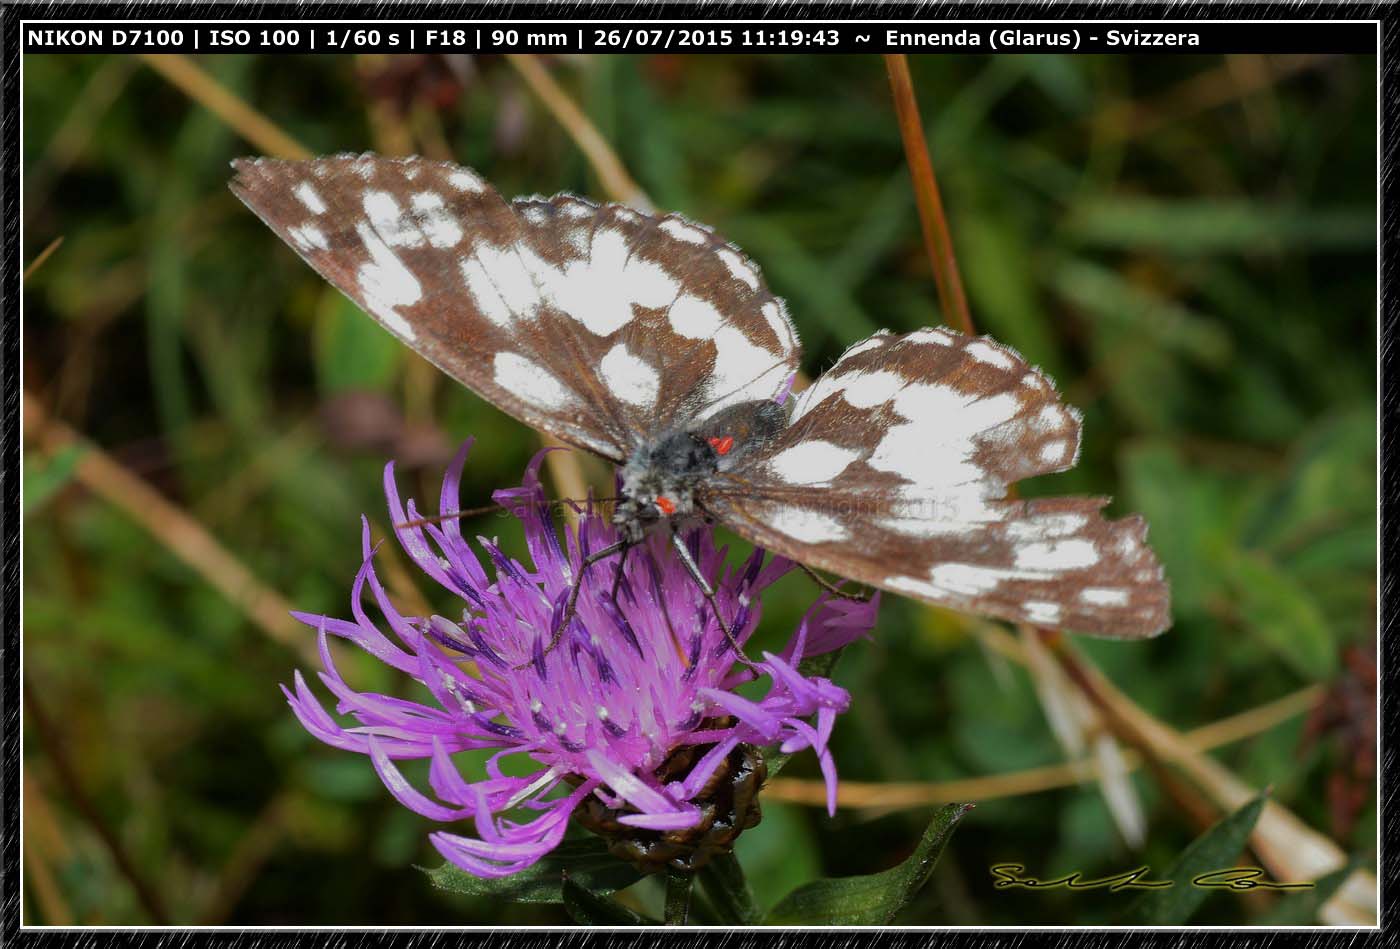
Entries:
{"x":236,"y":113}
{"x":935,"y":224}
{"x":601,"y":156}
{"x":44,"y":255}
{"x":181,"y":534}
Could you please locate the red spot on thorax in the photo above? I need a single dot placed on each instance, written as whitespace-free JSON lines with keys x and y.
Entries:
{"x":722,"y":445}
{"x":668,"y":507}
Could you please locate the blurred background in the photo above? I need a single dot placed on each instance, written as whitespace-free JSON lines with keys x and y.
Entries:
{"x":1185,"y":243}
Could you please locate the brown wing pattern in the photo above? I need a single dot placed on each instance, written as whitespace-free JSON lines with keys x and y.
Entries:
{"x":589,"y":322}
{"x":894,"y":472}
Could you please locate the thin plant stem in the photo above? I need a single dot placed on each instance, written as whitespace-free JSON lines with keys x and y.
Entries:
{"x":601,"y":156}
{"x":937,"y":240}
{"x":179,"y":532}
{"x":44,"y":255}
{"x":247,"y":121}
{"x":897,"y":796}
{"x":678,"y":886}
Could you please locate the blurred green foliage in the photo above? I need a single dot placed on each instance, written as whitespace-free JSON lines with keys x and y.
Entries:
{"x":1190,"y":255}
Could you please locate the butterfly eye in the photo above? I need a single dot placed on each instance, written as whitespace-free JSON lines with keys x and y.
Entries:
{"x":667,"y":506}
{"x":722,"y":445}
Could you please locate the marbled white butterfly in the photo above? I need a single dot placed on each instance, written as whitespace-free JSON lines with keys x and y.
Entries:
{"x":651,"y":341}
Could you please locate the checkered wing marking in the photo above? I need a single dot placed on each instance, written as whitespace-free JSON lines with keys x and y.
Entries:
{"x":594,"y":323}
{"x":894,"y":472}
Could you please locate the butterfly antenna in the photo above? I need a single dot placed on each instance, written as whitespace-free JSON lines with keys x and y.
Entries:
{"x":834,"y":589}
{"x":488,"y":509}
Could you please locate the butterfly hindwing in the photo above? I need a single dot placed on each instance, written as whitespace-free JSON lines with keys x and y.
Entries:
{"x":591,"y":322}
{"x":894,"y":472}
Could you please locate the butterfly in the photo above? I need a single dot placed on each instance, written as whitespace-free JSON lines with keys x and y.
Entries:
{"x":651,"y":341}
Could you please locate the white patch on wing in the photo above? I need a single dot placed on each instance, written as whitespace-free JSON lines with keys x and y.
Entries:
{"x":983,"y":351}
{"x":808,"y":527}
{"x":738,"y":267}
{"x":866,"y":390}
{"x":738,"y":363}
{"x":601,"y":291}
{"x":1104,"y":596}
{"x":386,"y":283}
{"x":1052,"y":452}
{"x":308,"y":196}
{"x":514,"y":272}
{"x":387,"y":218}
{"x":308,"y":236}
{"x":935,"y":448}
{"x":1050,"y":418}
{"x":484,"y":292}
{"x":1041,"y":611}
{"x":464,"y":180}
{"x":694,"y":318}
{"x":966,"y":578}
{"x":1057,"y":556}
{"x":931,"y":335}
{"x":780,"y":324}
{"x":437,"y":222}
{"x":530,"y":382}
{"x":812,"y":462}
{"x":684,"y":232}
{"x":1041,"y":526}
{"x":629,"y":378}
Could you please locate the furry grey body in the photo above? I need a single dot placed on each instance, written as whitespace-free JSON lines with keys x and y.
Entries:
{"x":675,"y":466}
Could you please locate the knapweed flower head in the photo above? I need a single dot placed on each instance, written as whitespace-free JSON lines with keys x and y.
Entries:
{"x":632,"y":722}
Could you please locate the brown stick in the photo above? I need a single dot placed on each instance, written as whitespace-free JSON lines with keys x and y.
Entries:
{"x":180,"y":533}
{"x":247,"y":121}
{"x":937,"y":240}
{"x":609,"y":168}
{"x":899,"y":795}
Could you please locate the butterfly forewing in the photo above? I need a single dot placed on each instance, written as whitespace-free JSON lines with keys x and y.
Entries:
{"x":894,"y":472}
{"x":612,"y":329}
{"x":593,"y":323}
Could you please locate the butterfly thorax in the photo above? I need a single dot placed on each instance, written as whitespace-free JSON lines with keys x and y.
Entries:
{"x":663,"y":477}
{"x":659,"y":482}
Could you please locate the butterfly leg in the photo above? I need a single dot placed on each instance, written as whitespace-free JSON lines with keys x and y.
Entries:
{"x":694,"y":570}
{"x":567,"y":617}
{"x":832,"y":588}
{"x":617,"y":577}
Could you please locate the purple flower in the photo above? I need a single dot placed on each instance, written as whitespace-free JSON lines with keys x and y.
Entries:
{"x":634,"y":714}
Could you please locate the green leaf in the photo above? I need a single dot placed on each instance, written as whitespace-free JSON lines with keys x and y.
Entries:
{"x":586,"y":862}
{"x":1300,"y":908}
{"x":728,"y":889}
{"x":1217,"y":849}
{"x":43,"y":478}
{"x":875,"y":899}
{"x":592,"y":909}
{"x":1281,"y":613}
{"x":352,"y":351}
{"x":1211,"y":226}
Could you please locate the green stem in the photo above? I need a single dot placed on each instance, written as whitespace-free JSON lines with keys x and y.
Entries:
{"x":678,"y":883}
